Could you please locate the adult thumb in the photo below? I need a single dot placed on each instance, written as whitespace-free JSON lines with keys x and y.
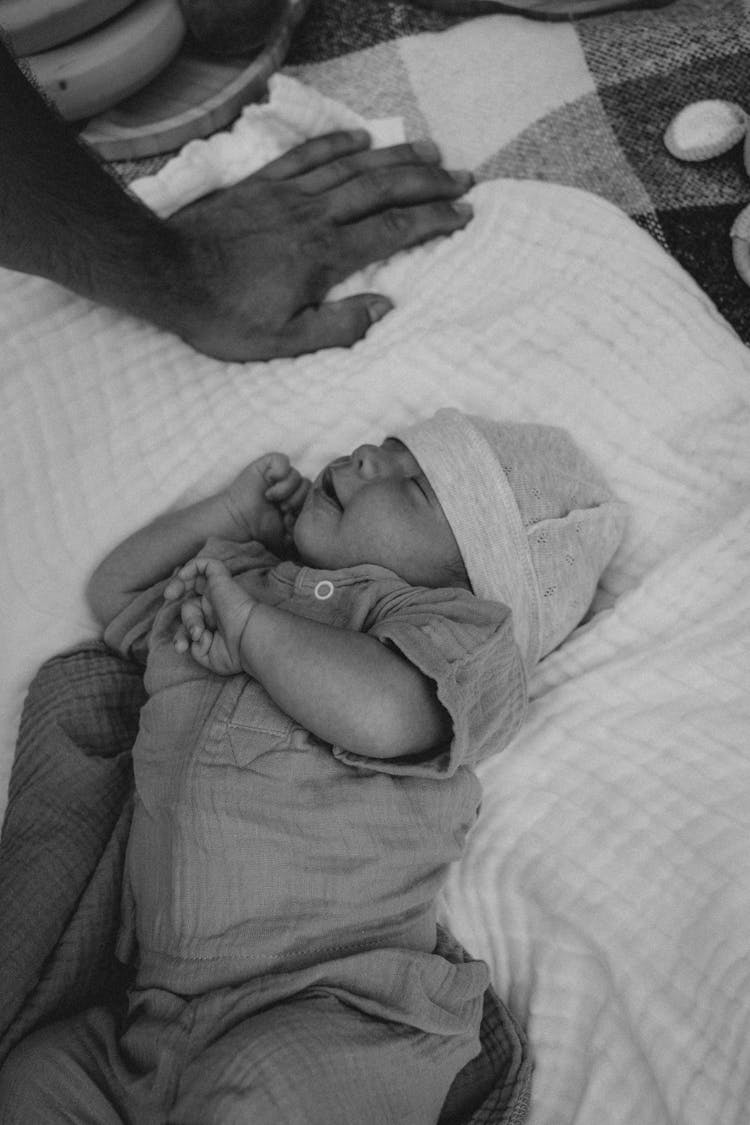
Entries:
{"x":335,"y":324}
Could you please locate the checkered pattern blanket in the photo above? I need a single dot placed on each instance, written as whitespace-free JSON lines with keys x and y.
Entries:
{"x":584,"y":104}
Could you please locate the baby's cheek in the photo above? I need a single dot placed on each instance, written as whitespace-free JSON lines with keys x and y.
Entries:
{"x":306,"y":540}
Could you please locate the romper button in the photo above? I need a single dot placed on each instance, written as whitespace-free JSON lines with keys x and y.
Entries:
{"x":323,"y":590}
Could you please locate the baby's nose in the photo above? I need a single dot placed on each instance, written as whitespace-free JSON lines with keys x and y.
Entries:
{"x":366,"y":460}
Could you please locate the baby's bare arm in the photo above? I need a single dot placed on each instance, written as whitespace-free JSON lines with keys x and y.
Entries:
{"x":260,"y":503}
{"x":346,"y":687}
{"x":152,"y":553}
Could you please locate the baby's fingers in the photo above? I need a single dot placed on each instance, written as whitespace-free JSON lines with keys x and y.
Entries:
{"x":181,"y":641}
{"x":200,"y":649}
{"x":210,"y":620}
{"x":193,"y":619}
{"x":282,"y":478}
{"x":294,"y":502}
{"x":283,"y":486}
{"x":198,"y":643}
{"x":195,"y":569}
{"x":175,"y":589}
{"x":275,"y":468}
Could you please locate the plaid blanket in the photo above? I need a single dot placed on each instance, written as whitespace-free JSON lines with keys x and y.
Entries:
{"x":605,"y":134}
{"x":584,"y":103}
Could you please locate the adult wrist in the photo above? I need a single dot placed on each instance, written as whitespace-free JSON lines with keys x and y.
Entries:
{"x":130,"y":259}
{"x":166,"y":288}
{"x":68,"y":219}
{"x":153,"y":270}
{"x":195,"y":279}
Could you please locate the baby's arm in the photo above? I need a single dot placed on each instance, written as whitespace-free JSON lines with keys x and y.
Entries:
{"x":346,"y":687}
{"x":259,"y":504}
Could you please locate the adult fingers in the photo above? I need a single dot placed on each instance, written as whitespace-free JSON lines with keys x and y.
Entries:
{"x":399,"y":186}
{"x":311,"y":154}
{"x":378,"y":236}
{"x":334,"y":324}
{"x":338,"y":171}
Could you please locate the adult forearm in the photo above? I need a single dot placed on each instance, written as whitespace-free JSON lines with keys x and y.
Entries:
{"x":64,"y":217}
{"x":346,"y":687}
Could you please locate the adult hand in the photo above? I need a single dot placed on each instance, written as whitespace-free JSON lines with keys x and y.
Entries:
{"x":240,"y":274}
{"x":261,"y":256}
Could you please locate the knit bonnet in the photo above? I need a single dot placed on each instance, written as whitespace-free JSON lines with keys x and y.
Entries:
{"x":534,"y":521}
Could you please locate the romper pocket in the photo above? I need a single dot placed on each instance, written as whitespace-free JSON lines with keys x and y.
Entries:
{"x":248,"y":723}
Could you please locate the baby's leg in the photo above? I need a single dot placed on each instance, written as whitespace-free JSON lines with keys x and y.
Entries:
{"x":317,"y":1061}
{"x":54,"y":1077}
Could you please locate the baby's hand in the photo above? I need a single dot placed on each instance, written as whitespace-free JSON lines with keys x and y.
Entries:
{"x":213,"y":614}
{"x":265,"y":499}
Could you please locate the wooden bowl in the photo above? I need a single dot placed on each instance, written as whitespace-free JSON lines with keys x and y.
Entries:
{"x":193,"y":97}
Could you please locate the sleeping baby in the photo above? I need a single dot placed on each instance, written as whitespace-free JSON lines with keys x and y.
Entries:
{"x":325,"y":664}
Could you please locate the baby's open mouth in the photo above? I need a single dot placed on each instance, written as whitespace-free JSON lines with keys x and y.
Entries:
{"x":328,"y":488}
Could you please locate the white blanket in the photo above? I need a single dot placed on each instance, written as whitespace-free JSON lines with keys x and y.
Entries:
{"x":608,"y":881}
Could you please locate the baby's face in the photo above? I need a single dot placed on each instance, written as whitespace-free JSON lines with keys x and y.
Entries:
{"x":377,"y":506}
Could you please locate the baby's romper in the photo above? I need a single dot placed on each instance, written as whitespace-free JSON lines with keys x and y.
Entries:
{"x":280,"y":893}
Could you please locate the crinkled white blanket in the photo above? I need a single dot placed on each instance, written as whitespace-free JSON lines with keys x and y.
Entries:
{"x":608,"y":881}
